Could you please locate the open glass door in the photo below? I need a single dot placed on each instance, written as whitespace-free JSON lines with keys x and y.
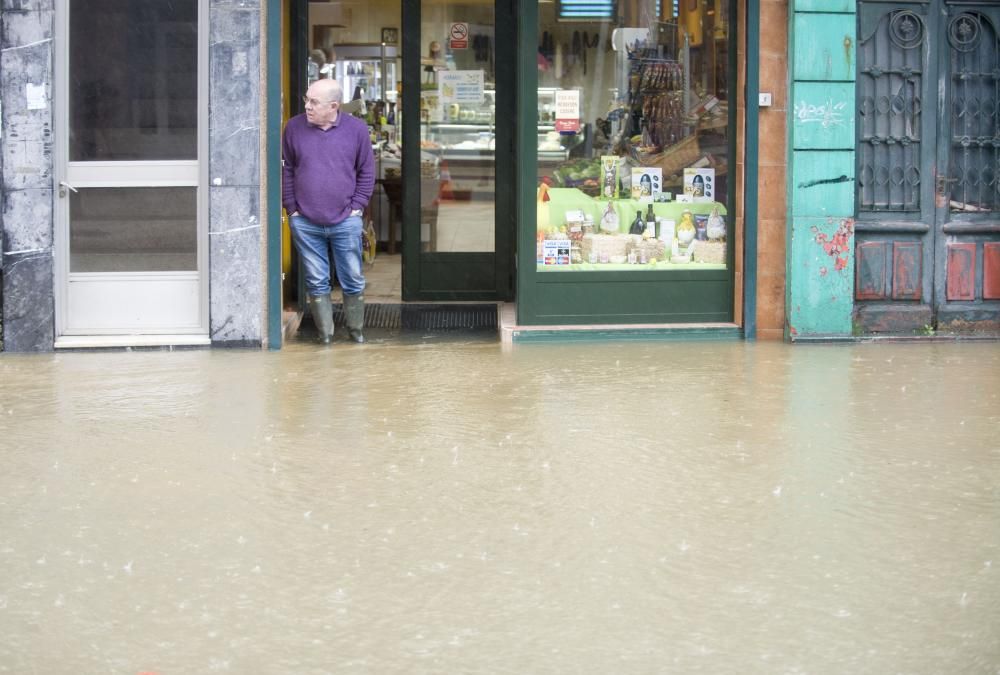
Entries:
{"x":131,"y":248}
{"x":458,"y":112}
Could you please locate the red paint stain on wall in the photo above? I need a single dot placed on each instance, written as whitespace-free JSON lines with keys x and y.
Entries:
{"x":838,"y":246}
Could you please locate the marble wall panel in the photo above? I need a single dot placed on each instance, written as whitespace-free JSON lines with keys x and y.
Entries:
{"x":26,"y":170}
{"x":234,"y":135}
{"x":24,"y":28}
{"x":27,"y":215}
{"x":230,"y":23}
{"x":27,"y":5}
{"x":236,"y":273}
{"x":236,"y":4}
{"x":28,"y":308}
{"x":26,"y":94}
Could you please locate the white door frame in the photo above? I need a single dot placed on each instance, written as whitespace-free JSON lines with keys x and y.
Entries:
{"x":185,"y":322}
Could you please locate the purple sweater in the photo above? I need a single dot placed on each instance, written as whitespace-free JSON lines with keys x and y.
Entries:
{"x":326,"y":174}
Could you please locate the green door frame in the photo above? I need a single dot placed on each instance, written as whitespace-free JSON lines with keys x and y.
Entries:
{"x":456,"y":276}
{"x":272,"y":144}
{"x":750,"y":158}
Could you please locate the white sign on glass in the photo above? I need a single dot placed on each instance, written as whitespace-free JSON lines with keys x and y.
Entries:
{"x":461,"y":86}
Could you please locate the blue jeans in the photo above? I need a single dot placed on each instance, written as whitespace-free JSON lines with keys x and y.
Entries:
{"x":315,"y":243}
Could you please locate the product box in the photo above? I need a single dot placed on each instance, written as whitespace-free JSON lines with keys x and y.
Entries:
{"x":647,"y":183}
{"x":701,"y":227}
{"x":699,"y":184}
{"x":609,"y":176}
{"x":556,"y":252}
{"x":668,"y":230}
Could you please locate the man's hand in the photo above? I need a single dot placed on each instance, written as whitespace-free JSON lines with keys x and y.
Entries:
{"x":356,"y":212}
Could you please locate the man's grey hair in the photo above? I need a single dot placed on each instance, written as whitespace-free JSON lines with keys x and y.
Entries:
{"x":332,"y":89}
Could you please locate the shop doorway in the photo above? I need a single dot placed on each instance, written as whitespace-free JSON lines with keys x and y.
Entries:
{"x":131,"y":217}
{"x":928,"y":186}
{"x":442,"y":210}
{"x":356,"y":43}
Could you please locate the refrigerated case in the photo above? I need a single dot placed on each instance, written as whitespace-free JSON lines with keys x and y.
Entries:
{"x":464,"y":137}
{"x":371,"y":69}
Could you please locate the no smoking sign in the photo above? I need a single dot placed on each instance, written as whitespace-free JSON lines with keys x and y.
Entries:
{"x":458,"y":36}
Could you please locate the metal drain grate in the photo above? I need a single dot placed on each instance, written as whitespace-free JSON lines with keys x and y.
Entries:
{"x":376,"y":316}
{"x":449,"y":317}
{"x":426,"y":316}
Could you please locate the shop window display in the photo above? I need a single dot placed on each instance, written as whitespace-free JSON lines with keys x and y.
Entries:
{"x":634,"y":139}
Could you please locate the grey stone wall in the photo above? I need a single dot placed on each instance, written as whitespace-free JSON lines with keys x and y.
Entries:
{"x":26,"y":184}
{"x":236,"y":224}
{"x":236,"y":236}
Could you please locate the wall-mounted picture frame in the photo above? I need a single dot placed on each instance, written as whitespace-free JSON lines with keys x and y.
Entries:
{"x":390,"y":35}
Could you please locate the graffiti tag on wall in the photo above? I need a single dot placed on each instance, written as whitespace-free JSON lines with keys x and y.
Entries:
{"x":826,"y":115}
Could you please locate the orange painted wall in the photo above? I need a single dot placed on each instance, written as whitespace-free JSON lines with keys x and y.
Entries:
{"x":772,"y":166}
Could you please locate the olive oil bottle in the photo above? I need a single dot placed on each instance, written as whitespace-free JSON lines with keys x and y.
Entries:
{"x":638,"y":225}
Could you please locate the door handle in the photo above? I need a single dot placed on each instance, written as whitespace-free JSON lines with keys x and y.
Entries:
{"x":63,"y":186}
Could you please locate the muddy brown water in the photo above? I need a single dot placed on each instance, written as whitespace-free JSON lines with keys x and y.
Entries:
{"x":451,"y":506}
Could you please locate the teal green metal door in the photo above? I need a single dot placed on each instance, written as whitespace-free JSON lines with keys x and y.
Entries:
{"x":928,"y":174}
{"x":458,"y":160}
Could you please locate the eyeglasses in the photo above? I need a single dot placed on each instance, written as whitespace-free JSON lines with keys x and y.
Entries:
{"x":314,"y":102}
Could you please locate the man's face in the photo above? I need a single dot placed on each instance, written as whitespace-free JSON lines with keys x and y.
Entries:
{"x":319,"y":110}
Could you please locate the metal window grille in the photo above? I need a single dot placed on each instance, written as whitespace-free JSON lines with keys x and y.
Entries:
{"x":890,"y":82}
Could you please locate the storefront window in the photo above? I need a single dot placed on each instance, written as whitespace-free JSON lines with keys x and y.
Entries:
{"x":633,"y":138}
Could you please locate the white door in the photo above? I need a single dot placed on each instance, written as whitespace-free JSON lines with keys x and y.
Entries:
{"x":131,"y":247}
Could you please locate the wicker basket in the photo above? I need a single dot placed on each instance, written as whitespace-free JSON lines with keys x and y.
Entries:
{"x":674,"y":159}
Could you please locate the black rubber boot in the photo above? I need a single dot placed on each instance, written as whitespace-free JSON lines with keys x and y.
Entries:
{"x":354,"y":316}
{"x":322,"y":311}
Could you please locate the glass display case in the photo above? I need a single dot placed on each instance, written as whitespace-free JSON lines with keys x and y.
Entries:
{"x":463,"y":135}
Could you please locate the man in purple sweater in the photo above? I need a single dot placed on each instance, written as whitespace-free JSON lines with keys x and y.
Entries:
{"x":328,"y":174}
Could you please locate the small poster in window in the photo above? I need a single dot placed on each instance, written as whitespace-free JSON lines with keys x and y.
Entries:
{"x":647,"y":183}
{"x":609,"y":176}
{"x":568,"y":110}
{"x":555,"y":252}
{"x":461,"y":86}
{"x":699,"y":184}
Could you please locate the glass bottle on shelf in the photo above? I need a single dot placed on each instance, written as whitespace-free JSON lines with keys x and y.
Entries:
{"x":638,"y":225}
{"x":650,"y":221}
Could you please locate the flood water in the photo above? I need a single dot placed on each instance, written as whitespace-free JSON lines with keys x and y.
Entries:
{"x":436,"y":506}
